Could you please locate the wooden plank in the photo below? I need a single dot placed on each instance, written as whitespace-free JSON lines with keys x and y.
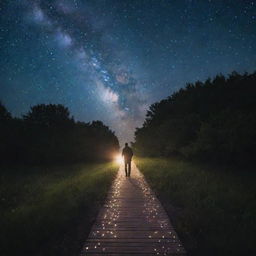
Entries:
{"x":133,"y":254}
{"x":132,"y":222}
{"x":133,"y":249}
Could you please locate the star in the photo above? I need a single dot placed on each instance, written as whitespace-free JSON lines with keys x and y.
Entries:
{"x":110,"y":60}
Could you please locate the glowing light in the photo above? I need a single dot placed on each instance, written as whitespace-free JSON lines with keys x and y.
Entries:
{"x":119,"y":159}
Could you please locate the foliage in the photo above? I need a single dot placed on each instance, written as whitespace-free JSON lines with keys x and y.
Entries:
{"x":214,"y":120}
{"x":48,"y":210}
{"x":213,"y":210}
{"x":48,"y":115}
{"x":4,"y":114}
{"x":47,"y":133}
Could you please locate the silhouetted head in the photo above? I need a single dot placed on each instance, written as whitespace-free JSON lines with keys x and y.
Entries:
{"x":126,"y":144}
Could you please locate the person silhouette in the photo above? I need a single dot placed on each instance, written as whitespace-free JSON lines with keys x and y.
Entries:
{"x":127,"y":154}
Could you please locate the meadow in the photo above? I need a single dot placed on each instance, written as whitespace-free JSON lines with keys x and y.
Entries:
{"x":48,"y":210}
{"x":213,"y":209}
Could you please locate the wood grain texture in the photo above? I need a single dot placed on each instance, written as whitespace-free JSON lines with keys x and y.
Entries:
{"x":132,"y":222}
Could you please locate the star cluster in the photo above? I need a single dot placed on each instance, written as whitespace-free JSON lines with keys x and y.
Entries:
{"x":111,"y":59}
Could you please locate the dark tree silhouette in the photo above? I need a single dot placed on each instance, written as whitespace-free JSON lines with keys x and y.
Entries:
{"x":47,"y":134}
{"x":211,"y":120}
{"x":4,"y":114}
{"x":48,"y":115}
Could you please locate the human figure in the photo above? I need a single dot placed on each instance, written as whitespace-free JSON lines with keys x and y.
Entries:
{"x":127,"y":154}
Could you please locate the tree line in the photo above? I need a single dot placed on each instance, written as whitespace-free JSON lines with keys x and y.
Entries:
{"x":213,"y":120}
{"x":48,"y":134}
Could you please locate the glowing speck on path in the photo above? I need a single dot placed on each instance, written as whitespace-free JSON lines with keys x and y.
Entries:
{"x":132,"y":221}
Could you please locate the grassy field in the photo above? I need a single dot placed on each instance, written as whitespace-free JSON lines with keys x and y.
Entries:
{"x":49,"y":210}
{"x":212,"y":209}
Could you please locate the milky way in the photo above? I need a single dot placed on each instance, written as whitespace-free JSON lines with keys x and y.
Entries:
{"x":109,"y":60}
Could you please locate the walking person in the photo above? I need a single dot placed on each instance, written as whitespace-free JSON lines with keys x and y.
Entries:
{"x":127,"y":154}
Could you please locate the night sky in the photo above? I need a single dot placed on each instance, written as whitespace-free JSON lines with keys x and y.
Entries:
{"x":110,"y":59}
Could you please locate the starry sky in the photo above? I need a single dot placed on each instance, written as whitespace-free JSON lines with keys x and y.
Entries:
{"x":110,"y":59}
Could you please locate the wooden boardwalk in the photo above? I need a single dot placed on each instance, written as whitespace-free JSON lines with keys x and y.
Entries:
{"x":132,"y":222}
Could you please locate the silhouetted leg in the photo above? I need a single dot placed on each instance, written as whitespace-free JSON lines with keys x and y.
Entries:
{"x":125,"y":167}
{"x":129,"y":168}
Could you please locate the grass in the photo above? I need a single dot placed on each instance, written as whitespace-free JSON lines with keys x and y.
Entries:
{"x":49,"y":210}
{"x":213,"y":210}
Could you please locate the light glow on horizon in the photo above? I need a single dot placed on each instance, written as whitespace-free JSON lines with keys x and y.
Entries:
{"x":118,"y":159}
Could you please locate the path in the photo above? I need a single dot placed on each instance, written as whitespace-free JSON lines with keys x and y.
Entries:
{"x":132,"y":222}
